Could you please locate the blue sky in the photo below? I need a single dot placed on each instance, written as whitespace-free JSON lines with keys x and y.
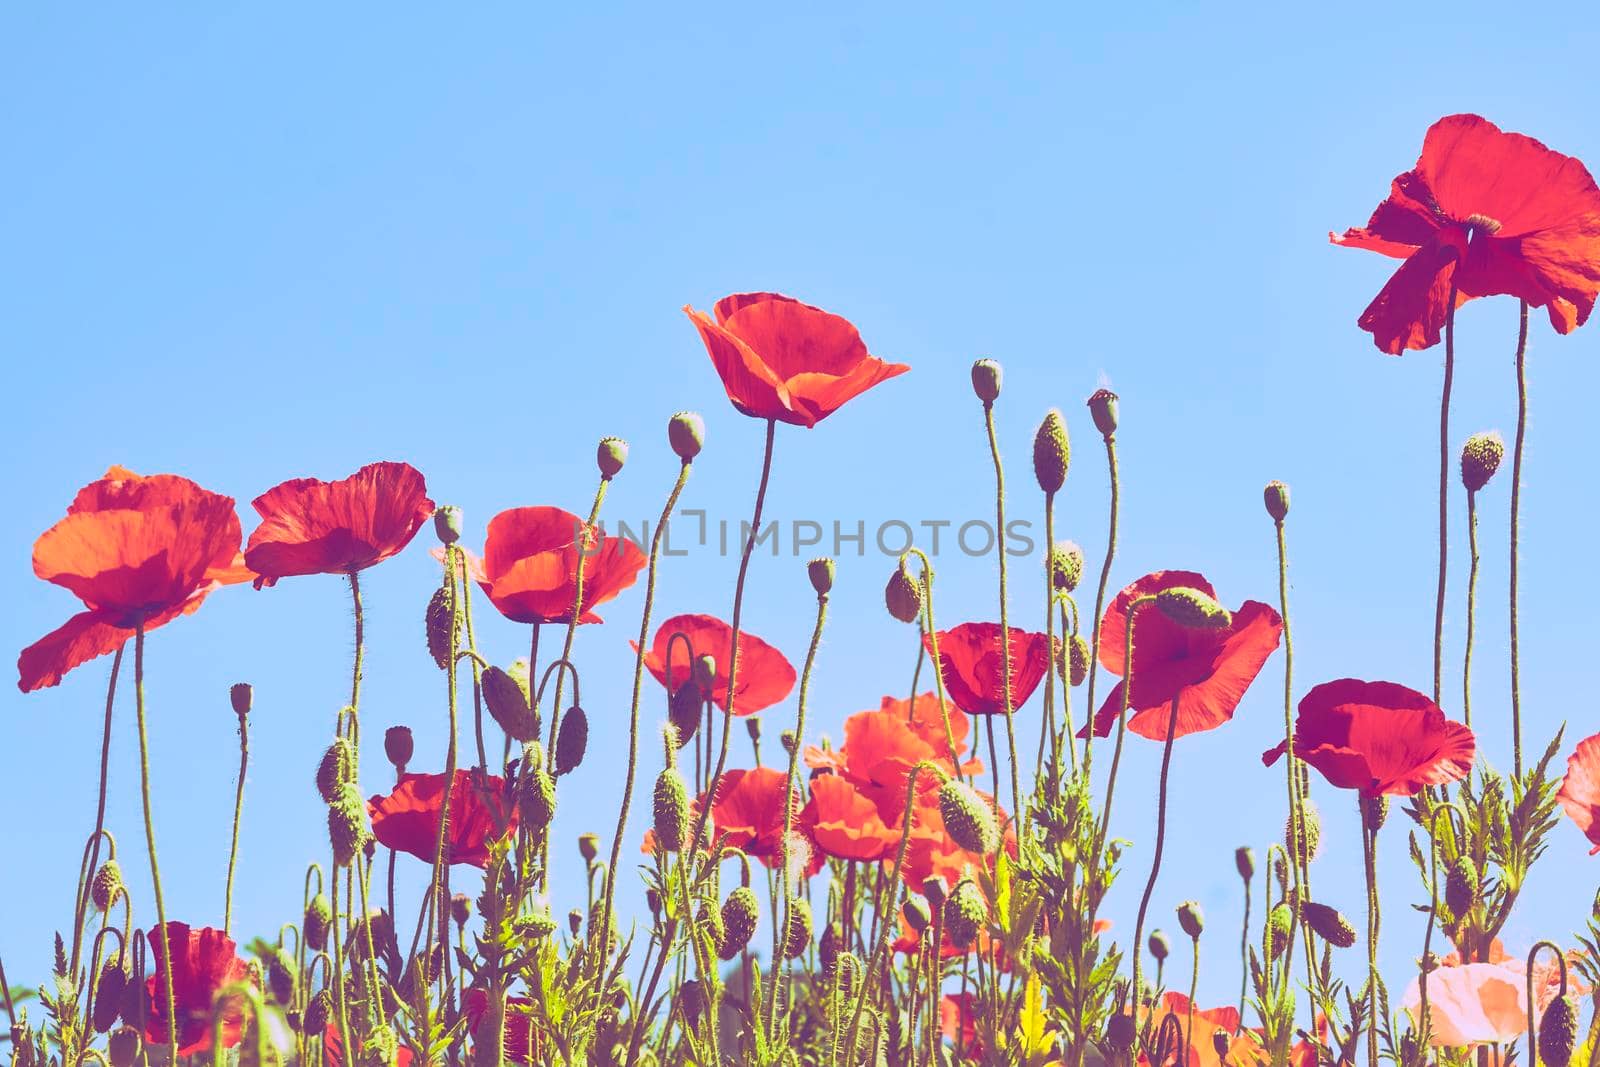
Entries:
{"x":247,"y":246}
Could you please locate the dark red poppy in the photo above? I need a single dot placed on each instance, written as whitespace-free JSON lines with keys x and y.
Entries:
{"x":765,"y":676}
{"x":784,"y":360}
{"x":1490,"y":213}
{"x":1207,"y":671}
{"x":333,"y":1049}
{"x":132,"y":549}
{"x":973,"y":668}
{"x":1580,"y":789}
{"x":518,"y":1026}
{"x":845,"y":823}
{"x":1378,"y":737}
{"x":203,"y":964}
{"x":530,"y":560}
{"x":315,"y":527}
{"x":407,"y":820}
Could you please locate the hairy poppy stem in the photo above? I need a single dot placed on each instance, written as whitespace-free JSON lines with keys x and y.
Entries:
{"x":1299,"y":856}
{"x":1369,"y":848}
{"x":440,"y":901}
{"x":1433,"y":906}
{"x":1444,"y":491}
{"x":1047,"y":720}
{"x":150,"y":837}
{"x":477,"y":667}
{"x":1516,"y":514}
{"x":1194,"y":987}
{"x":1244,"y":949}
{"x":1161,"y":832}
{"x":1100,"y":597}
{"x":238,"y":810}
{"x":1122,"y":719}
{"x":931,"y":633}
{"x":1472,"y":604}
{"x":633,"y":712}
{"x":1005,"y":629}
{"x":100,"y":809}
{"x":1533,"y":1023}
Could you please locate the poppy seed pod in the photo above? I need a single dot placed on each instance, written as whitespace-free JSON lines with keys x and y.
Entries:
{"x":610,"y":454}
{"x":1328,"y":924}
{"x":338,"y":763}
{"x":1220,"y":1043}
{"x":437,"y":621}
{"x":1191,"y":918}
{"x":460,"y":908}
{"x":398,"y":745}
{"x":572,"y":741}
{"x":537,"y":800}
{"x":1052,"y":452}
{"x":1374,"y":812}
{"x":575,"y":921}
{"x":1192,"y":609}
{"x":967,"y":818}
{"x":739,"y":914}
{"x":936,"y":891}
{"x":106,"y":885}
{"x":798,"y":935}
{"x":916,"y":914}
{"x":964,"y":912}
{"x":108,"y":994}
{"x":122,"y":1048}
{"x":1460,"y":886}
{"x":1119,"y":1032}
{"x":1066,"y":565}
{"x":240,"y":695}
{"x":1480,"y":458}
{"x":1244,"y":860}
{"x":1558,"y":1032}
{"x":1279,"y":920}
{"x":903,"y":596}
{"x":671,"y":810}
{"x":1160,"y":947}
{"x":447,"y":524}
{"x":686,"y":431}
{"x":1078,"y":659}
{"x":1276,"y":497}
{"x":986,"y":380}
{"x":347,"y":824}
{"x":588,"y":846}
{"x":319,"y":915}
{"x":1103,"y":409}
{"x":505,"y":692}
{"x":683,"y":709}
{"x":820,"y":571}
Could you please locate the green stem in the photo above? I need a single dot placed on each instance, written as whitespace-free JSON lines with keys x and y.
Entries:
{"x":1194,"y":986}
{"x":1299,"y":860}
{"x":1533,"y":1025}
{"x":1444,"y":492}
{"x":1100,"y":598}
{"x":238,"y":809}
{"x":1516,"y":513}
{"x":1369,"y":848}
{"x":150,"y":838}
{"x":1005,"y":629}
{"x":1122,"y":719}
{"x":1244,"y":950}
{"x":440,"y":903}
{"x":1161,"y":837}
{"x":1472,"y":603}
{"x":1047,"y":720}
{"x":100,"y":808}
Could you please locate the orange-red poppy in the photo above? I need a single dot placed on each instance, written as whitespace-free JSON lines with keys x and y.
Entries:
{"x":530,"y":565}
{"x":1207,"y":671}
{"x":333,"y":1049}
{"x":407,"y":820}
{"x":203,"y":963}
{"x":784,"y":360}
{"x":1378,"y":737}
{"x":972,"y":664}
{"x":1580,"y":789}
{"x":1489,"y":213}
{"x":136,"y":550}
{"x":765,"y":676}
{"x":748,"y":813}
{"x":520,"y":1043}
{"x":315,"y":527}
{"x":845,"y":823}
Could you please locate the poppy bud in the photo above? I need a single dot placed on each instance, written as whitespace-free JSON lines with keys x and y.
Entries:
{"x":1374,"y":811}
{"x":123,"y":1047}
{"x":398,"y":745}
{"x":1279,"y":920}
{"x":786,"y":739}
{"x":683,"y":709}
{"x":239,"y":695}
{"x":798,"y":935}
{"x":1220,"y":1043}
{"x":281,"y":976}
{"x":687,"y":433}
{"x":652,"y":900}
{"x":316,"y":1018}
{"x":1558,"y":1032}
{"x":575,"y":921}
{"x":739,"y":914}
{"x":1052,"y":452}
{"x":1192,"y":609}
{"x":902,"y":596}
{"x":460,"y":908}
{"x":1119,"y":1033}
{"x":572,"y":741}
{"x":505,"y":692}
{"x":1310,"y":837}
{"x":967,"y":819}
{"x":438,"y":620}
{"x":108,"y":994}
{"x":1276,"y":498}
{"x":1078,"y":655}
{"x":1103,"y":409}
{"x":828,"y":946}
{"x":704,"y":672}
{"x":986,"y":380}
{"x":1328,"y":924}
{"x":671,"y":810}
{"x":588,"y":846}
{"x":916,"y":914}
{"x":709,"y":918}
{"x":964,"y":912}
{"x":1191,"y":918}
{"x":319,"y":914}
{"x":1480,"y":458}
{"x":347,"y":824}
{"x":1245,"y":861}
{"x":106,"y":885}
{"x":847,"y":970}
{"x":821,"y":571}
{"x":1160,"y":947}
{"x":1460,"y":886}
{"x":537,"y":802}
{"x":1066,"y":565}
{"x":936,"y":891}
{"x":691,"y":1001}
{"x":337,"y":765}
{"x":447,"y":523}
{"x":752,"y":726}
{"x":610,"y":455}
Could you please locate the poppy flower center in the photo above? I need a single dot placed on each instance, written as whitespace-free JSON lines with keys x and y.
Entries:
{"x":1483,"y":224}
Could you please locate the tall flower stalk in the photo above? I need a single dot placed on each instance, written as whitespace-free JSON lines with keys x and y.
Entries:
{"x":167,"y":991}
{"x":1516,"y":525}
{"x":1103,"y":409}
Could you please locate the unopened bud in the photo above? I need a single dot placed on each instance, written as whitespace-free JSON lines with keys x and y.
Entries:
{"x":240,"y":695}
{"x":1220,"y":1043}
{"x":588,"y":846}
{"x":964,"y":912}
{"x":821,"y":572}
{"x":460,"y":908}
{"x":1192,"y":609}
{"x":282,"y":976}
{"x":1052,"y":452}
{"x":986,"y":380}
{"x":1460,"y":886}
{"x":1558,"y":1032}
{"x":1160,"y":947}
{"x":1310,"y":836}
{"x":447,"y":524}
{"x":336,"y":768}
{"x":798,"y":935}
{"x":967,"y":818}
{"x":610,"y":455}
{"x":1328,"y":924}
{"x":1078,"y":659}
{"x":687,"y":433}
{"x":1244,"y":860}
{"x":935,"y":890}
{"x":1191,"y":918}
{"x":106,"y":885}
{"x":1119,"y":1033}
{"x":398,"y":745}
{"x":739,"y":914}
{"x":903,"y":596}
{"x":347,"y":824}
{"x":575,"y":921}
{"x":1279,"y":921}
{"x":109,"y":991}
{"x":537,"y":802}
{"x":1374,"y":811}
{"x":122,"y":1047}
{"x":1276,"y":498}
{"x":1480,"y":458}
{"x":1103,"y":409}
{"x":671,"y":810}
{"x":438,"y":622}
{"x":318,"y":917}
{"x":572,"y":741}
{"x":506,"y":694}
{"x":1066,"y":565}
{"x":916,"y":913}
{"x":684,"y":711}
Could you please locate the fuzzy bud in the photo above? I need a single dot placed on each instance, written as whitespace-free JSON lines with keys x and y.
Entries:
{"x":1374,"y":812}
{"x":1191,"y":918}
{"x":903,"y":596}
{"x":1052,"y":452}
{"x":108,"y":995}
{"x":708,"y":917}
{"x":505,"y":692}
{"x":683,"y":710}
{"x":572,"y":741}
{"x":1276,"y":497}
{"x":798,"y":935}
{"x":916,"y":914}
{"x":537,"y":802}
{"x":1558,"y":1032}
{"x":1192,"y":609}
{"x":739,"y":914}
{"x":319,"y":915}
{"x":1328,"y":924}
{"x":1119,"y":1033}
{"x":281,"y":976}
{"x":1279,"y":921}
{"x":1460,"y":886}
{"x":704,"y":672}
{"x":967,"y":819}
{"x":1160,"y":947}
{"x":122,"y":1048}
{"x":1103,"y":409}
{"x":821,"y":571}
{"x":398,"y":745}
{"x":1078,"y":659}
{"x":686,"y":431}
{"x":936,"y":891}
{"x":964,"y":912}
{"x":347,"y":824}
{"x":588,"y":846}
{"x":240,"y":695}
{"x":610,"y":455}
{"x":106,"y":885}
{"x":338,"y":764}
{"x":438,"y":621}
{"x":1310,"y":837}
{"x":986,"y":380}
{"x":671,"y":810}
{"x":447,"y":524}
{"x":460,"y":908}
{"x":575,"y":921}
{"x":536,"y":927}
{"x":317,"y":1010}
{"x":1244,"y":860}
{"x":1480,"y":458}
{"x":1066,"y":565}
{"x":692,"y":1002}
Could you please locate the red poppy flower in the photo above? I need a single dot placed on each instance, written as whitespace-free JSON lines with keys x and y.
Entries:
{"x":1207,"y":671}
{"x":1245,"y":1049}
{"x":970,"y":659}
{"x":958,"y":1023}
{"x":845,"y":823}
{"x":407,"y":820}
{"x":132,"y":549}
{"x":530,"y":565}
{"x":1490,"y":213}
{"x":203,"y":964}
{"x":519,"y":1024}
{"x":765,"y":676}
{"x":784,"y":360}
{"x":315,"y":527}
{"x":748,"y":812}
{"x":333,"y":1049}
{"x":1580,"y":790}
{"x":1378,"y":737}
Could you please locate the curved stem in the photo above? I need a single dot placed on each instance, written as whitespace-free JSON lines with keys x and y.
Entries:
{"x":238,"y":810}
{"x":1100,"y":599}
{"x":1533,"y":1027}
{"x":1005,"y":628}
{"x":1444,"y":491}
{"x":1161,"y":838}
{"x":100,"y":807}
{"x":150,"y":838}
{"x":1516,"y":511}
